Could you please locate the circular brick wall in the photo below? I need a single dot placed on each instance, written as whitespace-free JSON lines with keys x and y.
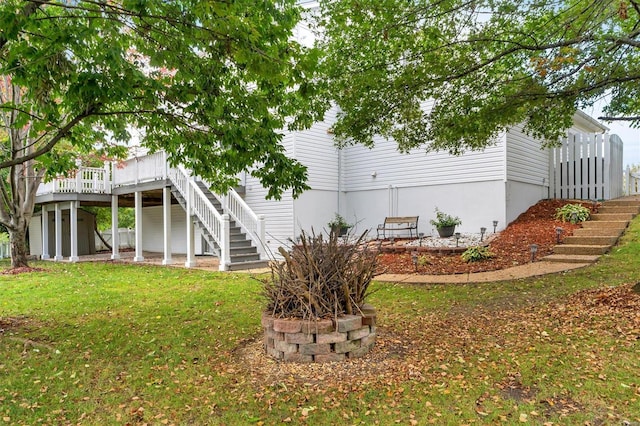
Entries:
{"x":298,"y":340}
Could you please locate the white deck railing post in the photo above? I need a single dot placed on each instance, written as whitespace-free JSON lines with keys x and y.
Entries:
{"x":225,"y":246}
{"x":261,"y":233}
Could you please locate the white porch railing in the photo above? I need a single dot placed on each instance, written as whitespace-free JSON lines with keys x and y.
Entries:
{"x":631,"y":182}
{"x":216,"y":224}
{"x":250,"y":222}
{"x":140,"y":169}
{"x":87,"y":180}
{"x":588,"y":167}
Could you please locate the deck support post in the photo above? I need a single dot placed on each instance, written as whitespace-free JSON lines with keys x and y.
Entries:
{"x":191,"y":259}
{"x":115,"y":233}
{"x":73,"y":231}
{"x":45,"y":233}
{"x":138,"y":212}
{"x":166,"y":217}
{"x":58,"y":228}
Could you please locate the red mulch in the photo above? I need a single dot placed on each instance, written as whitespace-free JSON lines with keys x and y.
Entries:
{"x":511,"y":247}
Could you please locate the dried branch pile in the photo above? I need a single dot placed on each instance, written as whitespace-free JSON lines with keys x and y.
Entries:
{"x":320,"y":278}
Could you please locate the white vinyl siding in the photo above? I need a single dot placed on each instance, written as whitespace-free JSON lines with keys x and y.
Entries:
{"x":527,"y":162}
{"x":383,"y":165}
{"x":278,"y":213}
{"x":315,"y":149}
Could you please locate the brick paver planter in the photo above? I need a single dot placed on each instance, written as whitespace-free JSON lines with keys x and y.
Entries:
{"x":298,"y":340}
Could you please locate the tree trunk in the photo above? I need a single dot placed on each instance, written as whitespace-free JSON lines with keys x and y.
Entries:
{"x":18,"y":241}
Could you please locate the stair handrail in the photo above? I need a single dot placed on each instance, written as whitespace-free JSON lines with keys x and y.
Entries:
{"x":251,"y":223}
{"x":202,"y":207}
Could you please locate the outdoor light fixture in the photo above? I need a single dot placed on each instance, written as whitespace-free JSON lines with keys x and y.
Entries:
{"x":559,"y":232}
{"x":457,"y":235}
{"x":574,"y":217}
{"x":414,"y":259}
{"x":482,"y":231}
{"x":495,"y":225}
{"x":391,"y":239}
{"x":534,"y":250}
{"x":420,"y":237}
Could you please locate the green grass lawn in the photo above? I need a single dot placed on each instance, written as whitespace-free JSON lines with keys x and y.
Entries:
{"x":120,"y":344}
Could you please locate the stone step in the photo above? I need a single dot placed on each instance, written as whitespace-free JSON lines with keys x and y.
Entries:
{"x":621,"y":202}
{"x":580,"y":249}
{"x":597,"y":232}
{"x":242,"y":266}
{"x":567,"y":258}
{"x":608,"y":217}
{"x":590,"y":239}
{"x":619,"y":209}
{"x":244,"y":257}
{"x":605,"y":224}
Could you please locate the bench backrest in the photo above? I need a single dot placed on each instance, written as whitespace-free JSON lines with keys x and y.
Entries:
{"x":401,"y":219}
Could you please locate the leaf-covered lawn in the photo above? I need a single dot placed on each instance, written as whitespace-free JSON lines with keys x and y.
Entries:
{"x":121,"y":344}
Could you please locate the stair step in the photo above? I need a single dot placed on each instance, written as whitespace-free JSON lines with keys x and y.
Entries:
{"x":590,"y":240}
{"x":243,"y":250}
{"x":236,"y":258}
{"x":581,"y":249}
{"x":633,"y":209}
{"x":622,"y":202}
{"x":239,"y":243}
{"x":610,"y":217}
{"x":602,"y":224}
{"x":568,"y":258}
{"x":256,"y":264}
{"x":597,"y":232}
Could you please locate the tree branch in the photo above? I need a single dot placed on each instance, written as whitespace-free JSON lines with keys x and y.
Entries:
{"x":605,"y":118}
{"x":29,"y":9}
{"x":49,"y":145}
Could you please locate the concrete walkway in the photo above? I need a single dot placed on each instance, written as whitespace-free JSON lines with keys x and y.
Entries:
{"x":514,"y":273}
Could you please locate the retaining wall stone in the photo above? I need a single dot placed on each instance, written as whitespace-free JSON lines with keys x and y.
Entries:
{"x":304,"y":341}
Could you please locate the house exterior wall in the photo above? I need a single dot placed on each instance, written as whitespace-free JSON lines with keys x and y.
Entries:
{"x":377,"y":168}
{"x":477,"y":204}
{"x":153,"y":231}
{"x":35,"y":235}
{"x":527,"y":168}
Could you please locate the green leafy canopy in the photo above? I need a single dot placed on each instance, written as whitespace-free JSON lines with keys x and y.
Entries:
{"x":451,"y":74}
{"x":215,"y":84}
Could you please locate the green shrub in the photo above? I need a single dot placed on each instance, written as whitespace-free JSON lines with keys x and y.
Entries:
{"x":573,"y":213}
{"x":476,"y":254}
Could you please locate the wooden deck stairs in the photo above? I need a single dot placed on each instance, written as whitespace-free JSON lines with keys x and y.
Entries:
{"x":597,"y":235}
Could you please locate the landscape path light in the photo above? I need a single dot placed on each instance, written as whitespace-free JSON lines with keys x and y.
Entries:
{"x":559,"y":232}
{"x":457,"y":235}
{"x":482,"y":231}
{"x":534,"y":250}
{"x":495,"y":225}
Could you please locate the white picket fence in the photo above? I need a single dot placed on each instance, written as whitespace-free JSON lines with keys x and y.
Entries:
{"x":127,"y":239}
{"x":587,"y":167}
{"x":631,"y":182}
{"x":5,"y":250}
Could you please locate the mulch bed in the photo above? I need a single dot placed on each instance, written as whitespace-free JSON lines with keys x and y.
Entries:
{"x":510,"y":247}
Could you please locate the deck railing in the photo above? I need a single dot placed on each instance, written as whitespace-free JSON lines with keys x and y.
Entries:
{"x":250,"y":222}
{"x":140,"y":169}
{"x":216,"y":224}
{"x":86,"y":180}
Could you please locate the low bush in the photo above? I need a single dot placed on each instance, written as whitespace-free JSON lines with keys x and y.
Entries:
{"x":320,"y":277}
{"x":476,"y":254}
{"x":573,"y":213}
